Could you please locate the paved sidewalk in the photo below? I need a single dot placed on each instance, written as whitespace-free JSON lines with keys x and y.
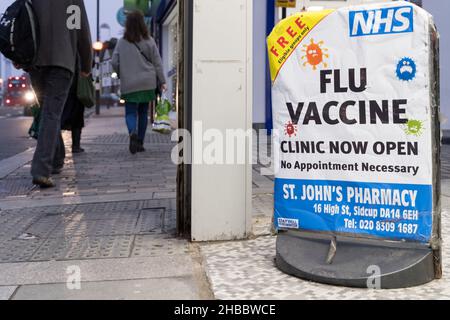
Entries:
{"x":246,"y":269}
{"x":111,"y":220}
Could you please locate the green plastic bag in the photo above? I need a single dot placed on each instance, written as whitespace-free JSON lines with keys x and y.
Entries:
{"x":86,"y":91}
{"x":162,"y":120}
{"x":34,"y":129}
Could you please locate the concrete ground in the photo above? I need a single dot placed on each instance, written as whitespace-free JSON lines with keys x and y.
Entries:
{"x":105,"y":232}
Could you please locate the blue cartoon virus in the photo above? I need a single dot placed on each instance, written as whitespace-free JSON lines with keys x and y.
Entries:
{"x":406,"y":69}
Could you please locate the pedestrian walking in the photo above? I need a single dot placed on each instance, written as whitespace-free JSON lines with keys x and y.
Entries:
{"x":73,"y":114}
{"x":137,"y":61}
{"x":52,"y":78}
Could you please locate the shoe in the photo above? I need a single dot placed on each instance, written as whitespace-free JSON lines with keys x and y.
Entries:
{"x":141,"y":146}
{"x":77,"y":150}
{"x":134,"y":143}
{"x":44,"y":183}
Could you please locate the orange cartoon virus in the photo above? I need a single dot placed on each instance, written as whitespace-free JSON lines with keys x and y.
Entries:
{"x":290,"y":129}
{"x":314,"y":54}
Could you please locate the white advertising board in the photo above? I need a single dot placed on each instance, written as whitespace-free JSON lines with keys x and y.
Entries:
{"x":352,"y":106}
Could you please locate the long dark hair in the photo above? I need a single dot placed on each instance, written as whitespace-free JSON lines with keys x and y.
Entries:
{"x":135,"y":28}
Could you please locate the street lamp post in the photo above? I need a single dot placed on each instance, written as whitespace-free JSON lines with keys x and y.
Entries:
{"x":97,"y":64}
{"x":97,"y":80}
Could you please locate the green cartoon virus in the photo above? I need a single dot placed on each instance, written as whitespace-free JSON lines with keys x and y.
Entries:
{"x":414,"y":128}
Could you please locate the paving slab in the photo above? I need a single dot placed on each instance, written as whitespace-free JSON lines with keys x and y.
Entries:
{"x":151,"y":246}
{"x":48,"y":272}
{"x":7,"y":166}
{"x":15,"y":188}
{"x":76,"y":248}
{"x":13,"y":225}
{"x":6,"y":292}
{"x":46,"y":202}
{"x":175,"y":288}
{"x":18,"y":250}
{"x":261,"y":181}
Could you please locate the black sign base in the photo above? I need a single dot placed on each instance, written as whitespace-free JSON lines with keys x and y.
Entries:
{"x":354,"y":262}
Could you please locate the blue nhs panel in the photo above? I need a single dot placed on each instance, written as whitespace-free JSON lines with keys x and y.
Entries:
{"x":381,"y":21}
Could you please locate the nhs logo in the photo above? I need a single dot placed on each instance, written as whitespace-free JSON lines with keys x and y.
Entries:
{"x":381,"y":21}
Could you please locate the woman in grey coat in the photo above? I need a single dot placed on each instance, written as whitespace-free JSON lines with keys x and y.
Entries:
{"x":138,"y":63}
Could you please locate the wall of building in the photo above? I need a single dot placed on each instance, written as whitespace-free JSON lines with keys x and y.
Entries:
{"x":165,"y":54}
{"x":168,"y":50}
{"x":440,"y":10}
{"x":259,"y":61}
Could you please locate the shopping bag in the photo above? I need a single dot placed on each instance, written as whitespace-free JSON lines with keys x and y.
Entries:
{"x":86,"y":91}
{"x":34,"y":129}
{"x":162,"y":119}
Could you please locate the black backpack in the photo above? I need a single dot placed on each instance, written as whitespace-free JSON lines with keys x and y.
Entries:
{"x":19,"y":34}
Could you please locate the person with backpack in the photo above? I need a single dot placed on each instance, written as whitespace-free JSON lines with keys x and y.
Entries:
{"x":137,"y":61}
{"x":48,"y":48}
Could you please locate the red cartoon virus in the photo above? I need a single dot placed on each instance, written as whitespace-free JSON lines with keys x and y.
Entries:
{"x":314,"y":54}
{"x":290,"y":129}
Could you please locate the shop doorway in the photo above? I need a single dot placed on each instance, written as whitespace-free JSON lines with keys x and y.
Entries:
{"x":184,"y":111}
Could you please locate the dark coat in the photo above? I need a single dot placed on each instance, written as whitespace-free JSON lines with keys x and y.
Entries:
{"x":73,"y":114}
{"x":58,"y":44}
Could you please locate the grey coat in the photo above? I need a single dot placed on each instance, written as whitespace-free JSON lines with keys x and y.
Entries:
{"x":58,"y":44}
{"x":135,"y":72}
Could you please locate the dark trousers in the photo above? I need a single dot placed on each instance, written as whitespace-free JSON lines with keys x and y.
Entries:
{"x":136,"y":115}
{"x":76,"y":137}
{"x":51,"y":85}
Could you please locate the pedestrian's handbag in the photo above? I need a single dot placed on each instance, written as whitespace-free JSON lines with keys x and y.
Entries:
{"x":34,"y":129}
{"x":86,"y":91}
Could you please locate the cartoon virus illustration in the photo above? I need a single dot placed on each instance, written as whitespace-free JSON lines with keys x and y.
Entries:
{"x":406,"y":69}
{"x":314,"y":54}
{"x":290,"y":129}
{"x":414,"y":128}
